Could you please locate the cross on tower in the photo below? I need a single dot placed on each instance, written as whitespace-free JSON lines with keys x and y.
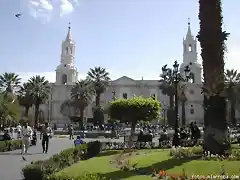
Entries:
{"x":69,"y":25}
{"x":189,"y":21}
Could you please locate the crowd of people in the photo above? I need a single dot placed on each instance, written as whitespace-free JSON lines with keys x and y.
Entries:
{"x":28,"y":135}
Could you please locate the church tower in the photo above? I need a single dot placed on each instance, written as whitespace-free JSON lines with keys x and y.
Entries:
{"x":190,"y":56}
{"x":66,"y":72}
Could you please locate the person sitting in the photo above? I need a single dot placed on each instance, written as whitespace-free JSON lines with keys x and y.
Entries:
{"x":6,"y":136}
{"x":78,"y":141}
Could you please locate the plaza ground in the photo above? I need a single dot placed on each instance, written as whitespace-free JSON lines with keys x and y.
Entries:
{"x":147,"y":160}
{"x":11,"y":163}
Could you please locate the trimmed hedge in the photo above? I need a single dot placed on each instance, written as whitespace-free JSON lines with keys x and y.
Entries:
{"x":10,"y":145}
{"x":42,"y":170}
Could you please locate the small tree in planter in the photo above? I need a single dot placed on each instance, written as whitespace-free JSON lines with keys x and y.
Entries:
{"x":134,"y":110}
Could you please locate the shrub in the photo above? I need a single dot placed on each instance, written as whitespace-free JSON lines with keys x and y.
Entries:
{"x":10,"y":145}
{"x":183,"y":152}
{"x":83,"y":177}
{"x":40,"y":170}
{"x":93,"y":149}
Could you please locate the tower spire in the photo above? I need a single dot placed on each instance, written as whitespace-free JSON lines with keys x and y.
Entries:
{"x":69,"y":34}
{"x":189,"y":33}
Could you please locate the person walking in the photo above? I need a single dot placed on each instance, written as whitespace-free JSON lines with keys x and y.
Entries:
{"x":70,"y":132}
{"x":19,"y":129}
{"x":26,"y":132}
{"x":45,"y":135}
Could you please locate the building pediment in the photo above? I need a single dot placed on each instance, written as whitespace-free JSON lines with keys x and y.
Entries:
{"x":124,"y":80}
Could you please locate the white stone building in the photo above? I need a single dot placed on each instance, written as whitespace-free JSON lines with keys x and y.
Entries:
{"x":67,"y":75}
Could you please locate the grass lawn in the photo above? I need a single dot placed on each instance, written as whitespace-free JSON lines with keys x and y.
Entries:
{"x":146,"y":160}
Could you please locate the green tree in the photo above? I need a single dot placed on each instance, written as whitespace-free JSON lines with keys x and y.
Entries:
{"x":10,"y":82}
{"x":211,"y":38}
{"x":99,"y":79}
{"x":134,"y":110}
{"x":232,"y":78}
{"x":39,"y":89}
{"x":81,"y":95}
{"x":25,"y":99}
{"x":9,"y":111}
{"x":10,"y":85}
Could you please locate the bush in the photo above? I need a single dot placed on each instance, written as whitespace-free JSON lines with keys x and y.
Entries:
{"x":183,"y":152}
{"x":10,"y":145}
{"x":93,"y":149}
{"x":84,"y":177}
{"x":197,"y":151}
{"x":40,"y":170}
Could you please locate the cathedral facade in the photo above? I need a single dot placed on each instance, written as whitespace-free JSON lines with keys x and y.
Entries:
{"x":124,"y":87}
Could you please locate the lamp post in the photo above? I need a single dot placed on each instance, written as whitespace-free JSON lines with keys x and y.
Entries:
{"x":176,"y":77}
{"x":164,"y":114}
{"x":113,"y":95}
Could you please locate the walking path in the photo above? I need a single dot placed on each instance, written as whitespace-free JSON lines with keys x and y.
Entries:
{"x":11,"y":163}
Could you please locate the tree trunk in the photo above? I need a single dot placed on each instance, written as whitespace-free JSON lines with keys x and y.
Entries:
{"x":216,"y":136}
{"x":26,"y":111}
{"x":232,"y":113}
{"x":133,"y":127}
{"x":81,"y":119}
{"x":171,"y":101}
{"x":183,"y":114}
{"x":36,"y":116}
{"x":97,"y":99}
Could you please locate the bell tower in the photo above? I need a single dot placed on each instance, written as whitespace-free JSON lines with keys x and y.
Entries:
{"x":189,"y":47}
{"x":66,"y":72}
{"x":190,"y":56}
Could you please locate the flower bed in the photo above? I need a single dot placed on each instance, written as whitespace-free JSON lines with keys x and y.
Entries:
{"x":10,"y":145}
{"x":197,"y":151}
{"x":41,"y":170}
{"x":83,"y":177}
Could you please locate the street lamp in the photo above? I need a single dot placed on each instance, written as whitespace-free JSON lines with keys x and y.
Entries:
{"x":176,"y":77}
{"x":164,"y":114}
{"x":113,"y":95}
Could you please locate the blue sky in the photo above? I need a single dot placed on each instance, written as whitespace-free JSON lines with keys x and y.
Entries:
{"x":127,"y":37}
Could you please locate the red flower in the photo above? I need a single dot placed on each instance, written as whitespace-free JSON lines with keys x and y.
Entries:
{"x":153,"y":170}
{"x":162,"y":173}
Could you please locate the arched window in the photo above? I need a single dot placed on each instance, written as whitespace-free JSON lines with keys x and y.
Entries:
{"x":124,"y":95}
{"x":190,"y":48}
{"x":64,"y":79}
{"x":191,"y":110}
{"x":191,"y":78}
{"x":66,"y":50}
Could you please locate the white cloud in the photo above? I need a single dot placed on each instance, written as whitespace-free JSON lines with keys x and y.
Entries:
{"x":232,"y":57}
{"x":66,"y":7}
{"x":43,"y":9}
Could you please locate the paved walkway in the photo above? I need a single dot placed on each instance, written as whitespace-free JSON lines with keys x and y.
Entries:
{"x":11,"y":163}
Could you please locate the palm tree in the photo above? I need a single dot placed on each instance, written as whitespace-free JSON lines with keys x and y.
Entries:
{"x":211,"y":38}
{"x":10,"y":82}
{"x":25,"y":99}
{"x":99,"y":78}
{"x":81,"y":95}
{"x":38,"y":88}
{"x":167,"y":88}
{"x":232,"y":78}
{"x":10,"y":85}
